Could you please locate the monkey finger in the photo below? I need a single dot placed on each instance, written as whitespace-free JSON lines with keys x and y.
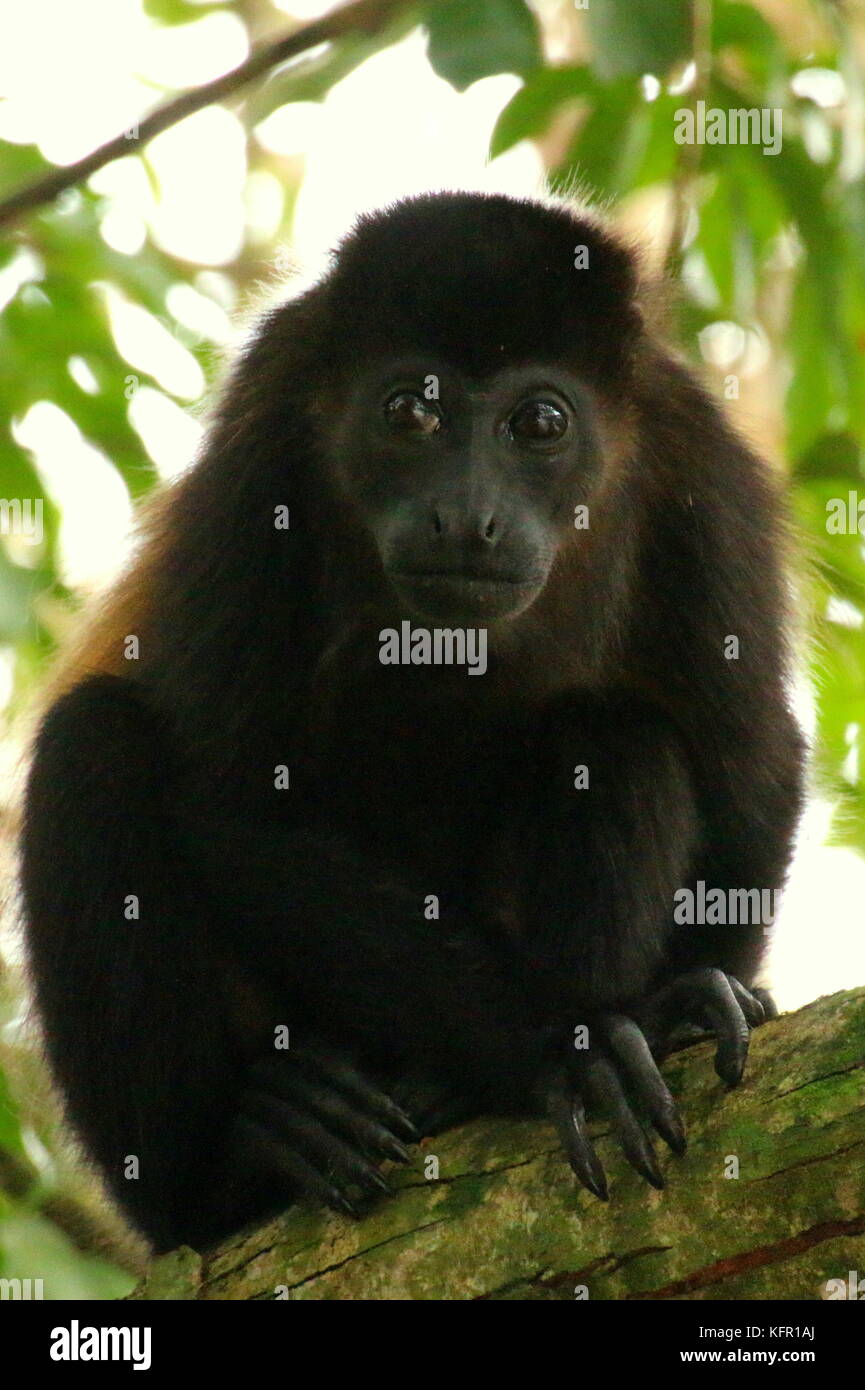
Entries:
{"x":707,"y":992}
{"x":631,"y":1051}
{"x":346,"y":1078}
{"x":303,"y":1134}
{"x":748,"y":1002}
{"x":288,"y":1083}
{"x":258,"y":1147}
{"x":569,"y":1118}
{"x":604,"y":1090}
{"x":728,"y":1024}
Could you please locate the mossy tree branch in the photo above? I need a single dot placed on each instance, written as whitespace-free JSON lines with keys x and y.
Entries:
{"x":506,"y":1220}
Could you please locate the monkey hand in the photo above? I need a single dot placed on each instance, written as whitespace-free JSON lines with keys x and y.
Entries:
{"x":703,"y":1003}
{"x":615,"y":1075}
{"x":310,"y":1121}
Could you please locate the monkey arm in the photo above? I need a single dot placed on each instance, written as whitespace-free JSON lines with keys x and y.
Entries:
{"x":609,"y":855}
{"x":130,"y":981}
{"x":614,"y":820}
{"x":118,"y":960}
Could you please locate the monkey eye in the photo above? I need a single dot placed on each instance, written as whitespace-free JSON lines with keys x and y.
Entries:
{"x":411,"y":414}
{"x":538,"y":421}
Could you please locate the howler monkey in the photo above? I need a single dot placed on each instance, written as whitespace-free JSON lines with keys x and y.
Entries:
{"x":293,"y":810}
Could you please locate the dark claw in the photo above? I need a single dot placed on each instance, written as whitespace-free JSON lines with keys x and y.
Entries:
{"x":338,"y":1202}
{"x":631,"y":1050}
{"x":605,"y":1091}
{"x":393,"y":1148}
{"x":303,"y":1134}
{"x":568,"y":1116}
{"x":287,"y":1079}
{"x":266,"y":1150}
{"x":620,"y":1076}
{"x":347,"y":1079}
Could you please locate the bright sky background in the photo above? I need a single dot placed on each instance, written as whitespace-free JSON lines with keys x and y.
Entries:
{"x":390,"y":128}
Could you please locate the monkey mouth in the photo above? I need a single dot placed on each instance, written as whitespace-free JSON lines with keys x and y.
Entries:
{"x":464,"y":595}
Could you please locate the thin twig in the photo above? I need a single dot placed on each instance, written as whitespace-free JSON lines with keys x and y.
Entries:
{"x":362,"y":16}
{"x":690,"y":157}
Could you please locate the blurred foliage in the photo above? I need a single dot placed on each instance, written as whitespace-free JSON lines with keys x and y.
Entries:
{"x":773,"y":244}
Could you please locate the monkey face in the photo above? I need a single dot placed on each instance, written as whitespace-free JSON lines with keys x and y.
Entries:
{"x":467,"y":485}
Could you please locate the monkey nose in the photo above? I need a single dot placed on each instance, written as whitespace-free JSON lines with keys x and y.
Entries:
{"x":478,"y":526}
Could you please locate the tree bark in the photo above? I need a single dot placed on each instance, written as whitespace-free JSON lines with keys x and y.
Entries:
{"x":768,"y":1202}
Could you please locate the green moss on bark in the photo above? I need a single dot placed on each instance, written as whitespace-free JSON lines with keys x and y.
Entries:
{"x":506,"y":1220}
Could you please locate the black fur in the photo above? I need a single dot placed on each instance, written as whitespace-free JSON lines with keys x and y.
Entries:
{"x":259,"y":648}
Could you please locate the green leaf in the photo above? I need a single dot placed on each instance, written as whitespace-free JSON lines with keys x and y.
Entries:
{"x":839,"y":676}
{"x":716,"y":240}
{"x":624,"y":143}
{"x":20,"y":164}
{"x":531,"y":111}
{"x":605,"y":152}
{"x":828,"y":380}
{"x":738,"y":223}
{"x":653,"y":155}
{"x":757,"y":43}
{"x":815,"y":394}
{"x":632,"y":37}
{"x":835,"y":560}
{"x":471,"y":39}
{"x":174,"y":12}
{"x":838,"y":456}
{"x":17,"y":589}
{"x":36,"y":1247}
{"x":10,"y":1128}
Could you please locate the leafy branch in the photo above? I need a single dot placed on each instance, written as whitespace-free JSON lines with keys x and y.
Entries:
{"x":368,"y":17}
